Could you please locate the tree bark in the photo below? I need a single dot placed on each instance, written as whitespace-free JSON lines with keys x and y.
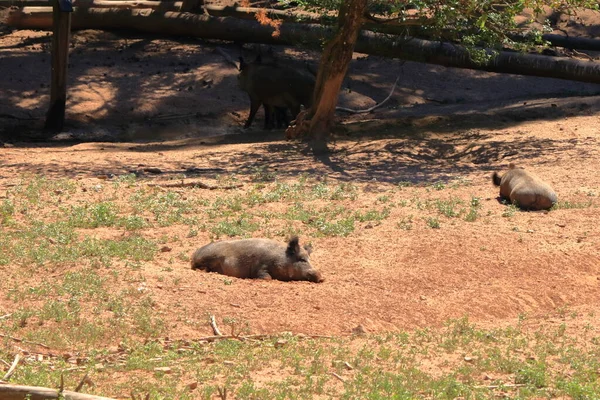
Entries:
{"x":332,"y":69}
{"x":309,"y":35}
{"x":19,"y":392}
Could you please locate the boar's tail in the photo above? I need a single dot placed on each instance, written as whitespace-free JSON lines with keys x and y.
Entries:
{"x":496,"y":179}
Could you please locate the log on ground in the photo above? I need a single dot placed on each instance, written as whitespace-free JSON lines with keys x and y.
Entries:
{"x":308,"y":35}
{"x":20,"y":392}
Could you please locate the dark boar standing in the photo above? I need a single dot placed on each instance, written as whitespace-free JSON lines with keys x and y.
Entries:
{"x":276,"y":87}
{"x":257,"y":258}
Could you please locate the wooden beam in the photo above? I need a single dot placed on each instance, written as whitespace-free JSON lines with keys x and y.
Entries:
{"x":61,"y":27}
{"x":19,"y":392}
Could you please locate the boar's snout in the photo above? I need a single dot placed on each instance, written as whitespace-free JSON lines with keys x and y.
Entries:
{"x":315,"y":276}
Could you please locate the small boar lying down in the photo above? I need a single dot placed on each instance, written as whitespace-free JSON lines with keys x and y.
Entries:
{"x":257,"y":258}
{"x":525,"y":189}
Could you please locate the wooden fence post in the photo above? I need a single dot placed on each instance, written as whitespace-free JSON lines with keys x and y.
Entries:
{"x":61,"y":31}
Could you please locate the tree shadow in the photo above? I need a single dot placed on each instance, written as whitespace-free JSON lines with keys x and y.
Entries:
{"x":161,"y":94}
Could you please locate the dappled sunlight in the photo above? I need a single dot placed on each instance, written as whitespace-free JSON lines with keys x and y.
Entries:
{"x":91,"y":98}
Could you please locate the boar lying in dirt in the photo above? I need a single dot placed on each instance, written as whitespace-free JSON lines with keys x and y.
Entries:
{"x":257,"y":258}
{"x":525,"y":189}
{"x":277,"y":87}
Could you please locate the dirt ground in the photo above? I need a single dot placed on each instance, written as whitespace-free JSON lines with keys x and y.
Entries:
{"x":137,"y":101}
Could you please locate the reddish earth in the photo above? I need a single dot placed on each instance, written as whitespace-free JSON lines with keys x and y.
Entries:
{"x":173,"y":104}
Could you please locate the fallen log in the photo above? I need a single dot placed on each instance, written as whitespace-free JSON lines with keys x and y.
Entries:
{"x":308,"y":35}
{"x":19,"y":392}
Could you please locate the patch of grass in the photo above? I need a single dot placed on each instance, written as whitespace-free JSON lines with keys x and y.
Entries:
{"x":7,"y":212}
{"x":566,"y":205}
{"x":445,"y":363}
{"x":372,"y":215}
{"x":510,"y":210}
{"x":448,"y":208}
{"x":405,"y":223}
{"x":168,"y":208}
{"x":433,"y":223}
{"x":242,"y":226}
{"x":93,"y":215}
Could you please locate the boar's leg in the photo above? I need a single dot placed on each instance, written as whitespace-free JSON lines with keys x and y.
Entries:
{"x":269,"y":111}
{"x":263,"y":274}
{"x":281,"y":116}
{"x":254,"y":106}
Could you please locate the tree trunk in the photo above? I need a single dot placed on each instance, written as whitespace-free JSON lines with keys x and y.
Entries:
{"x":332,"y":70}
{"x":309,"y":35}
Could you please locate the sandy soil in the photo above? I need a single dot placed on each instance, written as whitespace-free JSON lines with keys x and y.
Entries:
{"x":173,"y":104}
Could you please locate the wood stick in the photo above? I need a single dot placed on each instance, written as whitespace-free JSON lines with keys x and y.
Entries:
{"x":20,"y":392}
{"x":82,"y":382}
{"x":338,"y":377}
{"x":12,"y":368}
{"x":213,"y":324}
{"x":375,"y":106}
{"x":201,"y":185}
{"x":24,"y":341}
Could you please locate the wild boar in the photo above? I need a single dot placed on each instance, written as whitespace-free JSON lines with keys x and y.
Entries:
{"x":524,"y":189}
{"x":276,"y":86}
{"x":257,"y":258}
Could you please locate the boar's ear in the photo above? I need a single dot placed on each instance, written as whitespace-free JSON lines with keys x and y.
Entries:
{"x":308,"y":248}
{"x":293,"y":247}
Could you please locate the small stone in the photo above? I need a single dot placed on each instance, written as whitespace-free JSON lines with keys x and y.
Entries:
{"x":192,"y":385}
{"x":280,"y":343}
{"x":165,"y":249}
{"x":227,"y":362}
{"x":166,"y":370}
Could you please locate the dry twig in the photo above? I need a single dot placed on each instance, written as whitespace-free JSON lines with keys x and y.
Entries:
{"x":12,"y":368}
{"x":213,"y":325}
{"x":228,"y":58}
{"x":82,"y":382}
{"x":222,"y":393}
{"x":338,"y":377}
{"x":375,"y":106}
{"x":24,"y":341}
{"x":201,"y":185}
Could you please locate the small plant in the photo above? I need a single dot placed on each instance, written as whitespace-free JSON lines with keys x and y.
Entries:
{"x":510,"y":210}
{"x":439,"y":185}
{"x":566,"y":205}
{"x":262,"y":174}
{"x":406,"y":223}
{"x":433,"y":223}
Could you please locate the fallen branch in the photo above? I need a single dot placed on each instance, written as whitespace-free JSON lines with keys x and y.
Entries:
{"x":24,"y":341}
{"x":338,"y":377}
{"x":200,"y":185}
{"x":375,"y":106}
{"x":213,"y":325}
{"x":82,"y":382}
{"x":506,"y":385}
{"x":19,"y":392}
{"x":12,"y":368}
